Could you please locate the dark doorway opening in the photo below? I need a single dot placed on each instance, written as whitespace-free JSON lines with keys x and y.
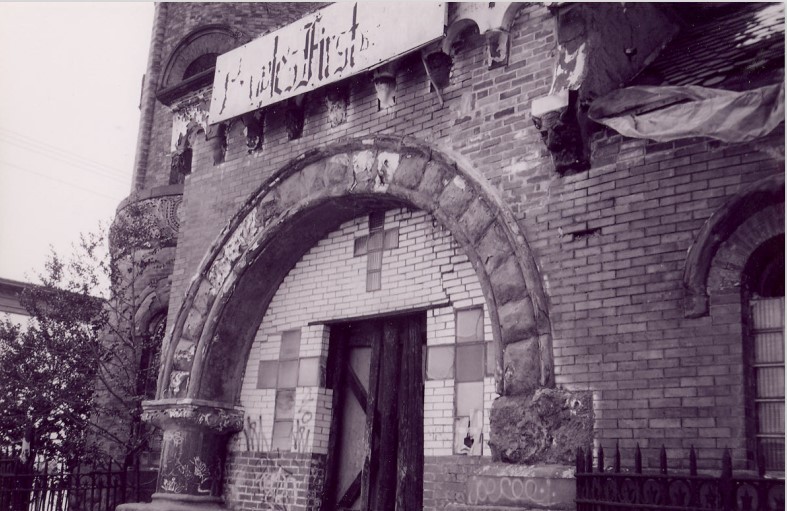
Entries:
{"x":375,"y":452}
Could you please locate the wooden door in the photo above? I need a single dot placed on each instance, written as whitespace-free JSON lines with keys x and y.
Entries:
{"x":375,"y":455}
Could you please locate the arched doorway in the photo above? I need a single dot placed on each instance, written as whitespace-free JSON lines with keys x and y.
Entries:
{"x":214,"y":330}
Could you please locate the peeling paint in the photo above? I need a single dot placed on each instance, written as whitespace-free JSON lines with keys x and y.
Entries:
{"x":185,"y":119}
{"x":387,"y":163}
{"x":578,"y":73}
{"x":234,"y":247}
{"x":459,"y":182}
{"x":363,"y":161}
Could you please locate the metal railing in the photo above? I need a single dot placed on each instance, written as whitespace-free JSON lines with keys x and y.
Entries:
{"x":614,"y":489}
{"x":48,"y":486}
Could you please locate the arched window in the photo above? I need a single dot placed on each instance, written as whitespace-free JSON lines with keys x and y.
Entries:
{"x":190,"y":65}
{"x":763,"y":293}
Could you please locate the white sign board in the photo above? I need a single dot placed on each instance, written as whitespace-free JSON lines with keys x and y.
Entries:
{"x":333,"y":43}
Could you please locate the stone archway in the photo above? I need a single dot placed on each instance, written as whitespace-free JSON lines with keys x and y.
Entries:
{"x":211,"y":336}
{"x":764,"y":194}
{"x":303,"y":201}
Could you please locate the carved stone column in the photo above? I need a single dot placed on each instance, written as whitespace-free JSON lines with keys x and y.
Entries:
{"x":193,"y":455}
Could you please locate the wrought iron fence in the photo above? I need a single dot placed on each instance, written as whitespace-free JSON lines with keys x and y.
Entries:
{"x":619,"y":490}
{"x":48,"y":486}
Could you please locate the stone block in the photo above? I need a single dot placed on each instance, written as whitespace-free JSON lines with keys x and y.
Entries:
{"x":183,"y":358}
{"x":476,"y":219}
{"x":433,"y":181}
{"x":410,"y":171}
{"x":192,"y":328}
{"x":544,"y":427}
{"x":313,"y":178}
{"x":494,"y":248}
{"x":521,"y":367}
{"x":517,"y":320}
{"x":456,"y":196}
{"x":290,"y":190}
{"x":508,"y":282}
{"x":337,"y":170}
{"x":364,"y":168}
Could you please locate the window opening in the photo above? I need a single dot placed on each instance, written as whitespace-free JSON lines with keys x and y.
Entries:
{"x":763,"y":288}
{"x":469,"y":376}
{"x":768,"y":378}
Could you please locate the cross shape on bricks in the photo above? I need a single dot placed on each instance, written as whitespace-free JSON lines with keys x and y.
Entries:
{"x":372,"y":246}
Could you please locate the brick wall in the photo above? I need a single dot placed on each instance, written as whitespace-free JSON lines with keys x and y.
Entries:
{"x":610,"y":242}
{"x":612,"y":247}
{"x":274,"y":481}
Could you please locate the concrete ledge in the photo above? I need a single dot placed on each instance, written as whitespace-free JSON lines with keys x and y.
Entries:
{"x":503,"y":486}
{"x":173,"y":502}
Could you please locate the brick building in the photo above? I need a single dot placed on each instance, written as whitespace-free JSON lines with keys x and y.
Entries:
{"x":422,"y":279}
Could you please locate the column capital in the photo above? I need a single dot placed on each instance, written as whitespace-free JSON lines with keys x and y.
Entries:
{"x":177,"y":413}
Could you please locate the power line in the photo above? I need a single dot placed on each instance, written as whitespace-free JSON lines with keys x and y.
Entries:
{"x":40,"y":149}
{"x":51,"y":147}
{"x":59,"y":152}
{"x":79,"y":165}
{"x":67,"y":183}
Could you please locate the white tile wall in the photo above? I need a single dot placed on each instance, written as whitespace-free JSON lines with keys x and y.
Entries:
{"x":328,"y":283}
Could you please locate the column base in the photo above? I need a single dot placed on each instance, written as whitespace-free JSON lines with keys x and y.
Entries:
{"x":168,"y":502}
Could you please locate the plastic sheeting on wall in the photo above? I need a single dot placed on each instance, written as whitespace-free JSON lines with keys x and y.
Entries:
{"x":674,"y":112}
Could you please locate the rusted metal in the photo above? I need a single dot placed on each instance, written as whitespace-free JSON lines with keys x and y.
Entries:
{"x":46,"y":485}
{"x":602,"y":490}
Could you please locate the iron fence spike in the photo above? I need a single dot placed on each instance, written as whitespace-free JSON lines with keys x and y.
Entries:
{"x":692,"y":461}
{"x":601,"y":458}
{"x":726,"y":463}
{"x":663,"y":459}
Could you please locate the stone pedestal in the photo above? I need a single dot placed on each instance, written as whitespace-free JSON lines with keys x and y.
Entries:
{"x":544,"y":427}
{"x":193,"y":454}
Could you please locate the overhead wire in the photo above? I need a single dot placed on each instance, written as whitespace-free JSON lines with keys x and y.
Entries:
{"x":58,"y":149}
{"x":67,"y":157}
{"x":52,"y":178}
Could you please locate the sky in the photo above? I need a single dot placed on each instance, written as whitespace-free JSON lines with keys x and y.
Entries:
{"x":70,"y":81}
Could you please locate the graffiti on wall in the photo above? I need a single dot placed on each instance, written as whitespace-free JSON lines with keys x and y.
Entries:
{"x":277,"y":487}
{"x":304,"y":421}
{"x":255,"y":436}
{"x":507,"y":491}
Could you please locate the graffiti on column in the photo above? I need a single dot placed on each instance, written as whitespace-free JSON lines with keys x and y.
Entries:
{"x":184,"y":472}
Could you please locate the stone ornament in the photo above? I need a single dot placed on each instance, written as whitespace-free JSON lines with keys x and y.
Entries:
{"x":216,"y":419}
{"x":336,"y":100}
{"x":493,"y":19}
